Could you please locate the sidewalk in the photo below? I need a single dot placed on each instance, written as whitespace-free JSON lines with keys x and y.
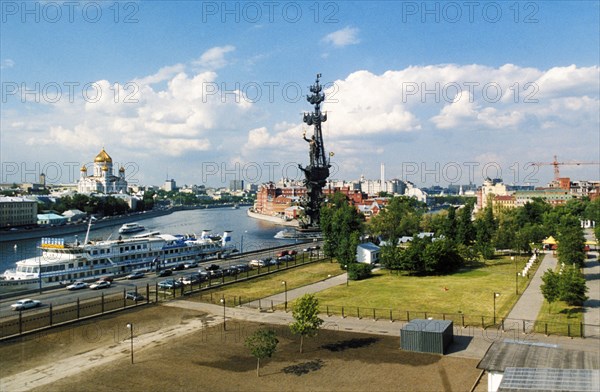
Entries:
{"x":292,"y":294}
{"x":591,"y":313}
{"x":530,"y":302}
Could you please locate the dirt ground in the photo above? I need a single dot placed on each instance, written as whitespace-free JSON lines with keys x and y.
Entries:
{"x":177,"y":349}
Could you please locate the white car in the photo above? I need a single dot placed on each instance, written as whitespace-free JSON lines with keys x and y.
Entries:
{"x":101,"y":284}
{"x":25,"y":304}
{"x":77,"y":286}
{"x":257,"y":263}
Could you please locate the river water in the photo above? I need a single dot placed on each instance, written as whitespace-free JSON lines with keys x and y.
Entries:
{"x":248,"y":232}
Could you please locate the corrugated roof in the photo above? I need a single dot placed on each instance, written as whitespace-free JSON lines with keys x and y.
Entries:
{"x":532,"y":379}
{"x":502,"y":355}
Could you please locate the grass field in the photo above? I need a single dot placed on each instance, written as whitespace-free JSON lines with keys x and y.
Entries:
{"x":271,"y":284}
{"x":469,"y":292}
{"x":556,"y":318}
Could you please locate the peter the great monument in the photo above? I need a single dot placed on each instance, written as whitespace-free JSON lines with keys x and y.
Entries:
{"x":317,"y":171}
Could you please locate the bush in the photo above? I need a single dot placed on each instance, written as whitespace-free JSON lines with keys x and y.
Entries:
{"x":358,"y":271}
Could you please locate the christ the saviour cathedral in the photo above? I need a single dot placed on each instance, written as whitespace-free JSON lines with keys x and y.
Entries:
{"x":103,"y":180}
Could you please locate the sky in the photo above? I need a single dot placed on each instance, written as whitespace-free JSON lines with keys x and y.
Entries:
{"x":205,"y":92}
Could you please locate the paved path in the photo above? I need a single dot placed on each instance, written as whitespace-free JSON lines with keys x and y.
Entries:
{"x":529,"y":304}
{"x":292,"y":294}
{"x":591,"y":315}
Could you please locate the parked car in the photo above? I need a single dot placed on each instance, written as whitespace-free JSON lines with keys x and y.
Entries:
{"x":242,"y":267}
{"x":178,"y":267}
{"x":77,"y":286}
{"x":287,"y":257}
{"x":169,"y":284}
{"x":135,"y":275}
{"x":108,"y":279}
{"x":101,"y":284}
{"x":212,"y":267}
{"x":165,"y":272}
{"x":25,"y":304}
{"x":257,"y":263}
{"x":134,"y":296}
{"x":282,"y":253}
{"x":191,"y":264}
{"x":292,"y":252}
{"x":190,"y":279}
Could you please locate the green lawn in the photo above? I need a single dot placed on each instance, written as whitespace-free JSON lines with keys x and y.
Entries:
{"x":271,"y":284}
{"x":555,"y":318}
{"x":469,"y":292}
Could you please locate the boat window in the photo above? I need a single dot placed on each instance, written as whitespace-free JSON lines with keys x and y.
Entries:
{"x":70,"y":266}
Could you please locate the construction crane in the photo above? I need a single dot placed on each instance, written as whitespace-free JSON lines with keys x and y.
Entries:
{"x":556,"y":164}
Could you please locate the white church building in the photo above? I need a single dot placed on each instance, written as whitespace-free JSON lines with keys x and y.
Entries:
{"x":102,"y":180}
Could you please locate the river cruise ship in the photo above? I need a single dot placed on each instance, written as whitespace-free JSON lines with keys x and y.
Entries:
{"x":90,"y":260}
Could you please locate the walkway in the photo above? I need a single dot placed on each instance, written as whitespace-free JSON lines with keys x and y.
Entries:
{"x":591,"y":315}
{"x":529,"y":304}
{"x":291,"y":295}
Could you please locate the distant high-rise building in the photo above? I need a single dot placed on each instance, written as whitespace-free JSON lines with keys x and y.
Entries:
{"x":169,"y":185}
{"x":236,"y":185}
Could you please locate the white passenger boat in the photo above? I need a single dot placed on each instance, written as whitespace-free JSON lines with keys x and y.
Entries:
{"x":90,"y":260}
{"x":131,"y":228}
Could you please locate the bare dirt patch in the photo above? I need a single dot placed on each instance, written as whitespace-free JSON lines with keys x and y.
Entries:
{"x":206,"y":357}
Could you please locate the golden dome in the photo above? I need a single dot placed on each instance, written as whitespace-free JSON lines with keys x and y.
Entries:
{"x":105,"y":168}
{"x":122,"y":170}
{"x":103,"y":157}
{"x":83,"y":168}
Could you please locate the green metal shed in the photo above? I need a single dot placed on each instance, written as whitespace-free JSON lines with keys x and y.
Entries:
{"x":427,"y":336}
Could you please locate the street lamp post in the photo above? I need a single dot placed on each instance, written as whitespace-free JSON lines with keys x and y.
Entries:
{"x":242,"y":242}
{"x":516,"y":276}
{"x":346,"y":267}
{"x":284,"y":283}
{"x":223,"y":302}
{"x":130,"y":327}
{"x":495,"y":295}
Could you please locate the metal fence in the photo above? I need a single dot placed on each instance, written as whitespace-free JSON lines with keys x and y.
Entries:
{"x":54,"y":315}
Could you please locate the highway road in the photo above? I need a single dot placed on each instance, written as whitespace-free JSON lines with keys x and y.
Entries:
{"x":61,"y":296}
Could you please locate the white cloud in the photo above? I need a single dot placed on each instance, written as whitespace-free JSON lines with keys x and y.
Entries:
{"x":344,"y":37}
{"x":7,"y":63}
{"x":214,"y":58}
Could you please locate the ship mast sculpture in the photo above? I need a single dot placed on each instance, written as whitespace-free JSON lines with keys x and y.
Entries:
{"x":317,"y":171}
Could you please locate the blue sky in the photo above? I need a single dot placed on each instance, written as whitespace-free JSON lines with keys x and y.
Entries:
{"x":441,"y":92}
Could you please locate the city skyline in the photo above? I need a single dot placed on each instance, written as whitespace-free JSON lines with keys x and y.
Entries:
{"x":210,"y":91}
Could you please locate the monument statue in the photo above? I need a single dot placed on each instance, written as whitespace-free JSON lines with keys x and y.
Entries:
{"x":317,"y":171}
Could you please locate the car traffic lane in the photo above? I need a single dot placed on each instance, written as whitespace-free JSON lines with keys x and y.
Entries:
{"x":61,"y":296}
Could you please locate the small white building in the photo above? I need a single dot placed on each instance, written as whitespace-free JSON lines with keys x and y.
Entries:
{"x":367,"y":253}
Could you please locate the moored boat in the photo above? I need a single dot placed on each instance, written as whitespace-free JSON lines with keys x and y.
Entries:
{"x":90,"y":260}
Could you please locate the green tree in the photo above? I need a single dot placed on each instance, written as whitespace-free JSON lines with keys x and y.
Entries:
{"x":571,"y":241}
{"x":486,"y":228}
{"x":342,"y":226}
{"x":465,"y":230}
{"x":449,"y":229}
{"x":262,"y":344}
{"x":572,"y":286}
{"x":402,"y":216}
{"x":550,"y":287}
{"x":306,"y":316}
{"x":358,"y":271}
